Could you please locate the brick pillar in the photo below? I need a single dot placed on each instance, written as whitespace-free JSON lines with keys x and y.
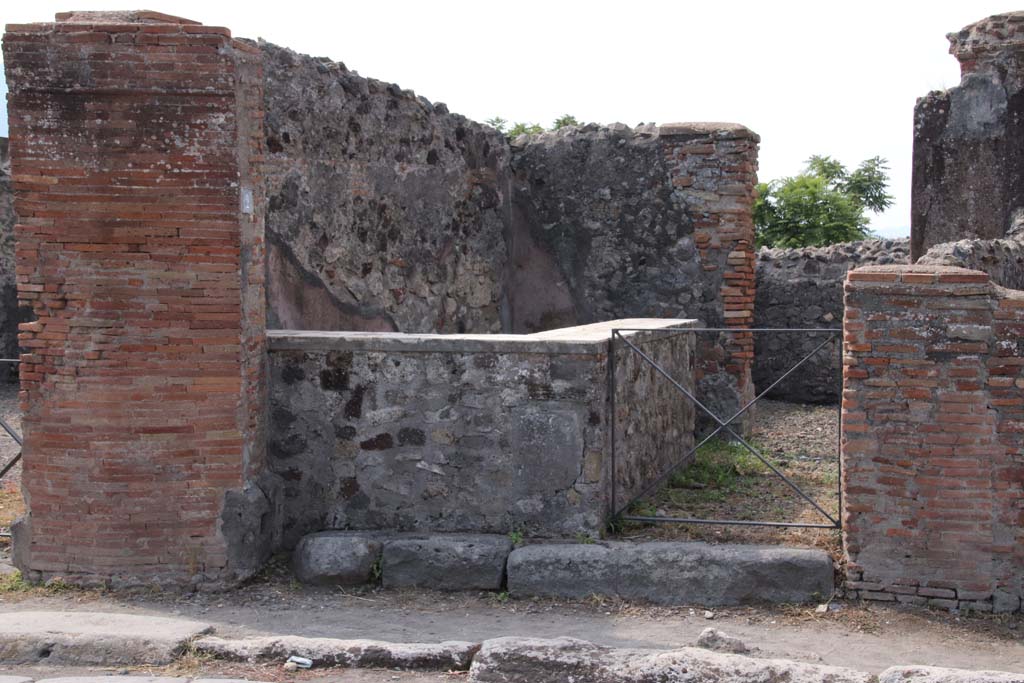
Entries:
{"x":714,"y":165}
{"x":932,"y":444}
{"x":136,"y":148}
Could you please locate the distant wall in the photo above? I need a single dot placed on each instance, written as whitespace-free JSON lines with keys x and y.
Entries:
{"x":968,"y":176}
{"x":384,"y":211}
{"x":1002,"y":259}
{"x":803,"y":288}
{"x":9,"y":315}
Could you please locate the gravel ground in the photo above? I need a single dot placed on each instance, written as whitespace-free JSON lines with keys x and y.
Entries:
{"x":10,"y":486}
{"x":801,"y":441}
{"x":10,"y":413}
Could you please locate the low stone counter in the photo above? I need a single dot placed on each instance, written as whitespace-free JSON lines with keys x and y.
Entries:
{"x":472,"y":433}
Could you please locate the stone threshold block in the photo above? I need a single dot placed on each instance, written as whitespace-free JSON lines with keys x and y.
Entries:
{"x":666,"y":573}
{"x":432,"y":433}
{"x":446,"y":562}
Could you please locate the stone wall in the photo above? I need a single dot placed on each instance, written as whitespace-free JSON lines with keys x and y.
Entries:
{"x":9,"y":316}
{"x":386,"y":212}
{"x":136,"y":148}
{"x":932,"y":447}
{"x":1002,"y":259}
{"x":803,"y":288}
{"x":477,"y":433}
{"x":968,"y":179}
{"x":611,"y":222}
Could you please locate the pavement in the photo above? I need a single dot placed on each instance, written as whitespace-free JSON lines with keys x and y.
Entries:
{"x":95,"y":638}
{"x":35,"y":645}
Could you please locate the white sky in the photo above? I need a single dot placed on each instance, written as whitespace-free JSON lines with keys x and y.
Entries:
{"x":818,"y":77}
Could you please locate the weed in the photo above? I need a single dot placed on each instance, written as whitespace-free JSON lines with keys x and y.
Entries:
{"x":584,"y":538}
{"x":13,"y":583}
{"x":502,"y":597}
{"x":516,"y":537}
{"x":377,"y":570}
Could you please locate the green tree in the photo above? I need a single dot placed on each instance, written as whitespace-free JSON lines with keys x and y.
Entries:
{"x":823,"y":205}
{"x":498,"y":123}
{"x":565,"y":120}
{"x":520,"y":128}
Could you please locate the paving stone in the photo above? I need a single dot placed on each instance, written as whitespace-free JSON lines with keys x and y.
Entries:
{"x":120,"y":679}
{"x":530,"y":660}
{"x":934,"y":674}
{"x":672,"y":573}
{"x":713,"y":639}
{"x":337,"y":558}
{"x":445,"y":656}
{"x":448,"y":562}
{"x":15,"y":679}
{"x":93,"y":638}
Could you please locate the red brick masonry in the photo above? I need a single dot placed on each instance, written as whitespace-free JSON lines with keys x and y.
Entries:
{"x":933,"y":438}
{"x":716,"y":163}
{"x":135,"y":147}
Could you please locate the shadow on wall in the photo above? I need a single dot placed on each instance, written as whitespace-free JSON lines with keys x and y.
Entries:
{"x":10,"y":315}
{"x":299,"y":297}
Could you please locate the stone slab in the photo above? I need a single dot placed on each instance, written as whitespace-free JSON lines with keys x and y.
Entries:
{"x":447,"y":562}
{"x":120,"y":679}
{"x":15,"y":679}
{"x":582,"y":339}
{"x":531,"y":660}
{"x":93,"y":638}
{"x":337,"y":558}
{"x":935,"y":674}
{"x":449,"y":655}
{"x":672,"y":573}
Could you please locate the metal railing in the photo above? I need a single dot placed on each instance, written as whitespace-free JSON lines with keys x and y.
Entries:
{"x":11,"y":432}
{"x":832,"y":336}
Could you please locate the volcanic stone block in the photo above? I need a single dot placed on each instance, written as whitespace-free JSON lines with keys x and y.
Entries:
{"x":672,"y":573}
{"x":336,"y":557}
{"x":447,"y":562}
{"x":534,"y":660}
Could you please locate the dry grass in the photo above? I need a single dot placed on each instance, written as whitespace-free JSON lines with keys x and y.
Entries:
{"x":11,"y":506}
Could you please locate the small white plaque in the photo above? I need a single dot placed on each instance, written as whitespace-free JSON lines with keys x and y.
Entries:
{"x":247,"y":200}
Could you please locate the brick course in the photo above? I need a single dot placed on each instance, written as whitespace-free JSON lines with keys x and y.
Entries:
{"x":136,"y":152}
{"x":716,"y":165}
{"x":933,"y":457}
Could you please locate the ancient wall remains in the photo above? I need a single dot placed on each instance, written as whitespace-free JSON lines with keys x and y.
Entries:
{"x":803,"y":288}
{"x":932,"y":447}
{"x":472,"y":433}
{"x":135,"y":149}
{"x":385,"y":211}
{"x":968,"y":178}
{"x":1001,"y":259}
{"x":611,"y":222}
{"x":9,"y":317}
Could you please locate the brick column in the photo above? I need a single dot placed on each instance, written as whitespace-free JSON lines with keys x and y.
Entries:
{"x":714,"y":165}
{"x":136,"y":148}
{"x":932,"y":439}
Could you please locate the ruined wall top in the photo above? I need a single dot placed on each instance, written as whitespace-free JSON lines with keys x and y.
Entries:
{"x":716,"y":130}
{"x":121,"y":17}
{"x":988,"y":42}
{"x":108,"y":40}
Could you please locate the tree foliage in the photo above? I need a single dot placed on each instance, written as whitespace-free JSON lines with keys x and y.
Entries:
{"x":518,"y":128}
{"x":565,"y":120}
{"x":823,"y":205}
